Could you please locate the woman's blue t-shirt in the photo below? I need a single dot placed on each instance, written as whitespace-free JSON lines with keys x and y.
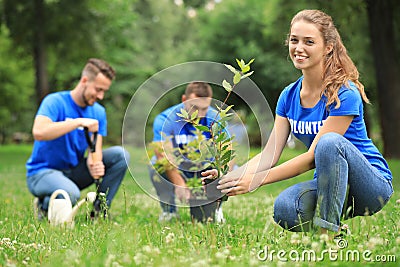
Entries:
{"x":306,"y":122}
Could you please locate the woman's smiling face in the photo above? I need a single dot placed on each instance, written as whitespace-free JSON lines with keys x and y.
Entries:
{"x":307,"y":49}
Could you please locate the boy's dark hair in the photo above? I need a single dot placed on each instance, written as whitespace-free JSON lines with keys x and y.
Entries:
{"x":200,"y":89}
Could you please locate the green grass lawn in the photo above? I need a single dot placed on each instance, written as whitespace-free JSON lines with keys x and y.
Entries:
{"x":133,"y":237}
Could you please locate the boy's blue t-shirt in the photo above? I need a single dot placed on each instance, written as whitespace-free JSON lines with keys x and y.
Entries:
{"x":306,"y":122}
{"x":169,"y":124}
{"x":66,"y":151}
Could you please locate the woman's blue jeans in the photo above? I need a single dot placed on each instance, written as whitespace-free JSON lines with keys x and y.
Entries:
{"x":44,"y":183}
{"x":346,"y":185}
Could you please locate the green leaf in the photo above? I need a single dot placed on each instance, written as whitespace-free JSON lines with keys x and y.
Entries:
{"x":184,"y":113}
{"x":225,"y":147}
{"x":181,"y":115}
{"x":226,"y":161}
{"x":220,"y":137}
{"x":228,"y":108}
{"x":225,"y":169}
{"x":239,"y":62}
{"x":223,"y":120}
{"x":212,"y":151}
{"x":247,"y":75}
{"x":202,"y":128}
{"x":245,"y":69}
{"x":227,"y":86}
{"x":226,"y":155}
{"x":194,"y":114}
{"x":231,"y":68}
{"x":236,"y":78}
{"x":206,"y":165}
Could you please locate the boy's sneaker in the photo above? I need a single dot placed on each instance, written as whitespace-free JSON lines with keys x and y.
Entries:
{"x":37,"y":209}
{"x":219,"y":216}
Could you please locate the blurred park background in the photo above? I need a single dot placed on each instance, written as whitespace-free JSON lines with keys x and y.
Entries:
{"x":44,"y":44}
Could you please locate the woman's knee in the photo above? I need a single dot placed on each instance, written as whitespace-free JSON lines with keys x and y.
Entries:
{"x":327,"y":142}
{"x":294,"y":208}
{"x":284,"y":211}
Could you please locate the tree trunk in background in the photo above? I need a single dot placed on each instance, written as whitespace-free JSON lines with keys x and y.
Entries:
{"x":380,"y":16}
{"x":39,"y":52}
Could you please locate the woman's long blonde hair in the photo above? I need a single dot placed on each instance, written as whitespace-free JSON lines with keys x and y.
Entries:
{"x":339,"y":69}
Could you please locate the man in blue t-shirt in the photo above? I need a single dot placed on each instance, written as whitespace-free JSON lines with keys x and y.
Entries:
{"x":58,"y":158}
{"x":172,"y":131}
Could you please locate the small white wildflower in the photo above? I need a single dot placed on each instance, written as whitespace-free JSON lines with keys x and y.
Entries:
{"x":139,"y":258}
{"x":306,"y":240}
{"x":147,"y":249}
{"x":127,"y":259}
{"x":254,"y":262}
{"x":375,"y":241}
{"x":116,"y":264}
{"x":5,"y":240}
{"x":110,"y":259}
{"x":324,"y":238}
{"x":232,"y":257}
{"x":398,"y":240}
{"x":170,"y":238}
{"x":295,"y":239}
{"x":200,"y":263}
{"x":220,"y":255}
{"x":315,"y":245}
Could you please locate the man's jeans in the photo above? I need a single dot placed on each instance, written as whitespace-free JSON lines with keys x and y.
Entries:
{"x":347,"y":185}
{"x":44,"y":183}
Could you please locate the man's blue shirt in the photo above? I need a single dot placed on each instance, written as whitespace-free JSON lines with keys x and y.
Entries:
{"x":66,"y":151}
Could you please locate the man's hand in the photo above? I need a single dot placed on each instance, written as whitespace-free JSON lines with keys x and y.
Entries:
{"x":183,"y":193}
{"x":96,"y":169}
{"x":91,"y":124}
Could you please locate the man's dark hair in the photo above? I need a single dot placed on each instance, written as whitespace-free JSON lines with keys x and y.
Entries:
{"x":94,"y":66}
